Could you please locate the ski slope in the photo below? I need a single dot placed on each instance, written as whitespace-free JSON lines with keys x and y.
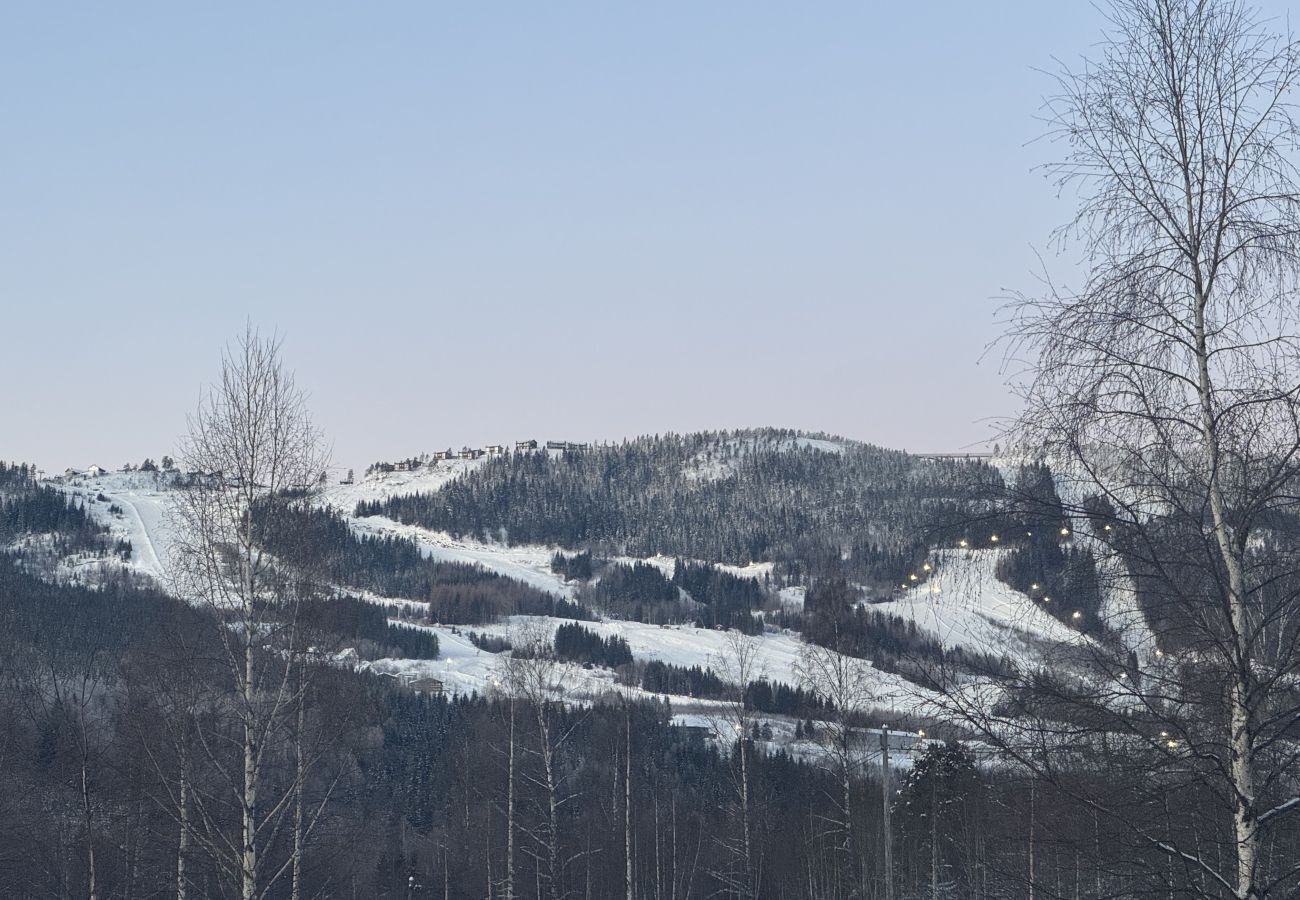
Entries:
{"x":963,"y":604}
{"x":529,"y":564}
{"x":146,"y":519}
{"x":465,"y":668}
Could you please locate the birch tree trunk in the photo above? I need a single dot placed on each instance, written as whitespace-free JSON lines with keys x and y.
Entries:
{"x":1163,"y":394}
{"x":183,"y":837}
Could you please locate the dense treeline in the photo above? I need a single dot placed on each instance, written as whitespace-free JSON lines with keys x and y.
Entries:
{"x":482,"y":602}
{"x":781,"y":699}
{"x":13,"y":474}
{"x":572,"y":566}
{"x":734,"y":497}
{"x":368,"y":626}
{"x":683,"y":681}
{"x":577,"y":644}
{"x":57,"y":618}
{"x":699,"y":593}
{"x":1062,"y":579}
{"x":726,"y":600}
{"x":457,"y":593}
{"x":761,"y":695}
{"x":639,"y":592}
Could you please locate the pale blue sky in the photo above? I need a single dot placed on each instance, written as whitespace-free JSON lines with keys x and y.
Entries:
{"x":482,"y":222}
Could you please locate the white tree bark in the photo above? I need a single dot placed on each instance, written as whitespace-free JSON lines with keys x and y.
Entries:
{"x":252,"y":441}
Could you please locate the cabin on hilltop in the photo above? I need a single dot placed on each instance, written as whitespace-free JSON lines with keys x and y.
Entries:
{"x":423,"y":683}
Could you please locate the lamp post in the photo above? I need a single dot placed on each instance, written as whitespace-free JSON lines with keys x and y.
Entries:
{"x":888,"y":830}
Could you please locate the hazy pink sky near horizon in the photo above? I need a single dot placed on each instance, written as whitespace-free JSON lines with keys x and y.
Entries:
{"x":475,"y":225}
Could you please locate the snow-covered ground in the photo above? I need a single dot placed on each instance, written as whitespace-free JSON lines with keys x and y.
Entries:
{"x":464,"y":668}
{"x":145,"y":502}
{"x":526,"y":563}
{"x":793,"y":597}
{"x":382,"y":485}
{"x":963,"y":604}
{"x":529,"y":563}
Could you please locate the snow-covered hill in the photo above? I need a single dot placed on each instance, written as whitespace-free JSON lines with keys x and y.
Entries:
{"x":962,"y":604}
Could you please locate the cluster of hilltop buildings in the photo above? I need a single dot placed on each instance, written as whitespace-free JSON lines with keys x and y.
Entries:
{"x":530,"y":446}
{"x":168,"y":465}
{"x":499,"y":449}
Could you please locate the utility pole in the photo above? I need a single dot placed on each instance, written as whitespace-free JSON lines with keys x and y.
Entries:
{"x":884,"y":807}
{"x":1032,"y":783}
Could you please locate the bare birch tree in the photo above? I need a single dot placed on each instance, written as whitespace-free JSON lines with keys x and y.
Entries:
{"x":252,"y":443}
{"x":535,"y":676}
{"x":1163,"y":392}
{"x":844,"y":681}
{"x":738,"y":664}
